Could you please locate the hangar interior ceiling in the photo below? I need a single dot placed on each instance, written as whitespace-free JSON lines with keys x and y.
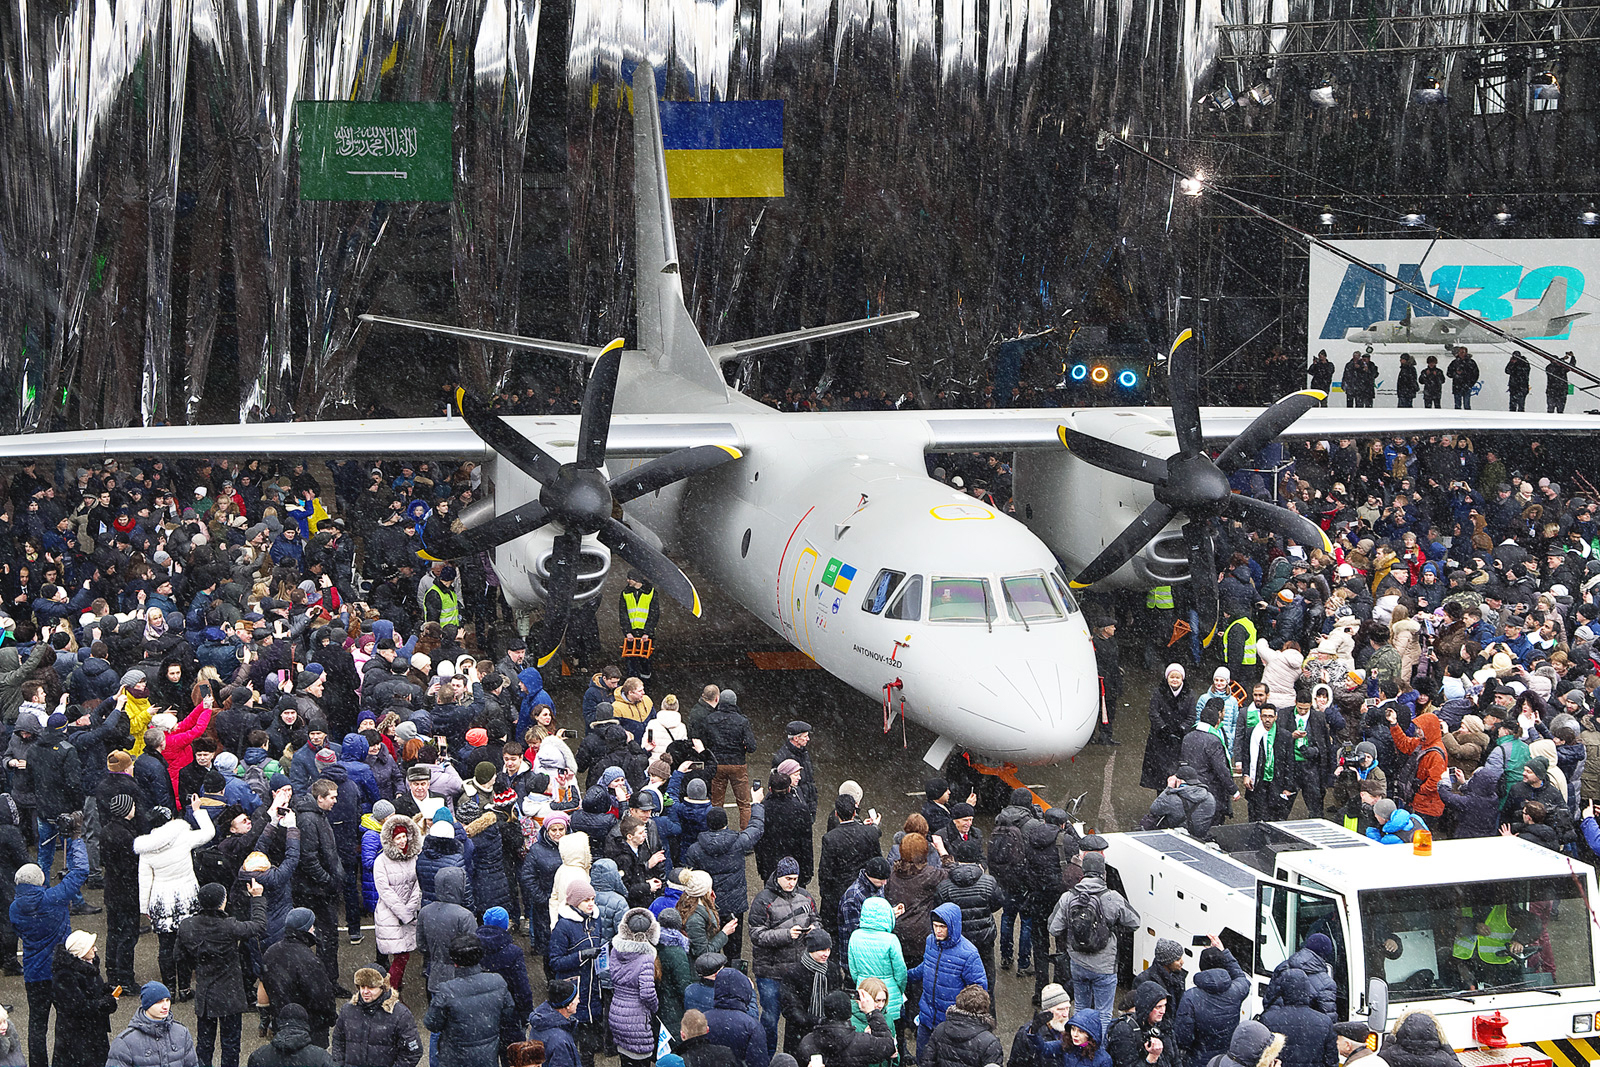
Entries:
{"x":158,"y":265}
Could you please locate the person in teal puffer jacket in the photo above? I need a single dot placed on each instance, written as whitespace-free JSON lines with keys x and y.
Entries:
{"x":881,"y":957}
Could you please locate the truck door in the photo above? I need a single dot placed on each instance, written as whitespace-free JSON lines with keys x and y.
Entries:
{"x":1286,"y":917}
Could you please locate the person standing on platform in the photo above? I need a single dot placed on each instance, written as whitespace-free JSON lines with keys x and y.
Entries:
{"x":638,"y":613}
{"x":1555,"y":383}
{"x":1517,"y":370}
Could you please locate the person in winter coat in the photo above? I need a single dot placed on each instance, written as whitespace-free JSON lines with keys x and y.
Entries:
{"x":575,"y":941}
{"x":720,"y":852}
{"x":1311,"y":960}
{"x":805,"y":984}
{"x":875,"y":953}
{"x":292,"y":1044}
{"x":634,"y":999}
{"x":443,"y":848}
{"x":1430,"y":766}
{"x":1094,"y":971}
{"x":168,"y":886}
{"x":1080,"y":1046}
{"x":484,"y":823}
{"x":914,"y":883}
{"x":504,"y":957}
{"x":610,"y":900}
{"x":552,"y":1024}
{"x":1253,"y":1045}
{"x":1209,"y":1012}
{"x":974,"y":890}
{"x":1183,"y":803}
{"x":537,"y":877}
{"x":842,"y":1045}
{"x":787,"y":831}
{"x":42,"y":920}
{"x":965,"y":1038}
{"x":293,"y":975}
{"x":731,"y":1023}
{"x":677,"y":969}
{"x":394,"y":876}
{"x":153,"y":1038}
{"x":83,"y":1002}
{"x":1144,"y":1032}
{"x":1205,"y":748}
{"x":1419,"y":1041}
{"x":779,"y":918}
{"x":696,"y":1048}
{"x":703,"y":924}
{"x":1308,"y":1033}
{"x":1166,"y":970}
{"x":471,"y":1014}
{"x":576,"y":862}
{"x":211,"y":940}
{"x":845,"y":851}
{"x":1392,"y":824}
{"x":374,"y":1027}
{"x":441,"y":923}
{"x":1475,"y":802}
{"x":949,"y":965}
{"x":1171,"y":713}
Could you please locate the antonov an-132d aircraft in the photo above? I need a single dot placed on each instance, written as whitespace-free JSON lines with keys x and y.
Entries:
{"x":1547,"y":319}
{"x":826,"y":526}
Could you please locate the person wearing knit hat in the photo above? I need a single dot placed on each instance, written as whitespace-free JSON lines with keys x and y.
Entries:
{"x":1055,"y":999}
{"x":151,"y":994}
{"x":299,"y":921}
{"x":477,"y":737}
{"x":575,"y":941}
{"x":497,"y":918}
{"x":153,"y":1035}
{"x":696,"y":883}
{"x":81,"y":944}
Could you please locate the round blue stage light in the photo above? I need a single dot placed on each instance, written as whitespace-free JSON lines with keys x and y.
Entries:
{"x":1127,"y":379}
{"x":1080,"y":371}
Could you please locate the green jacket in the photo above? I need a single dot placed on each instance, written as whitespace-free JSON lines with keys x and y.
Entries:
{"x":880,"y":956}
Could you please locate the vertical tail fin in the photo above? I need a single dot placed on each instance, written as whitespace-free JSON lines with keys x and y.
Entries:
{"x":665,"y":329}
{"x":1554,"y":300}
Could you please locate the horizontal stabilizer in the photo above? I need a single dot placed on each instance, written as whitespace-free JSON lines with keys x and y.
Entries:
{"x":537,"y":344}
{"x":736,"y":349}
{"x":1559,"y":323}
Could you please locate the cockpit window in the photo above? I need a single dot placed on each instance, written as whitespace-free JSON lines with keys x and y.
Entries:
{"x":1059,"y":578}
{"x":1028,"y":598}
{"x":882,"y":588}
{"x":908,"y":603}
{"x":961,"y":600}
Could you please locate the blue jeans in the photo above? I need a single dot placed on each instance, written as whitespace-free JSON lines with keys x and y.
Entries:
{"x":47,"y":852}
{"x":1008,"y":918}
{"x":770,"y":990}
{"x":1097,"y":991}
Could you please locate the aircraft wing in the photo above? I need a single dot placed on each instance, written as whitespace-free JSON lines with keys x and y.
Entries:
{"x":631,"y":435}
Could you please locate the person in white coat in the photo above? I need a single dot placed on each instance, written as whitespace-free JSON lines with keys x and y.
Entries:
{"x":394,"y":876}
{"x":1280,"y":670}
{"x":168,"y":888}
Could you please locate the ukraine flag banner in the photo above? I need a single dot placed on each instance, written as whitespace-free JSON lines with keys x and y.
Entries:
{"x":725,"y":148}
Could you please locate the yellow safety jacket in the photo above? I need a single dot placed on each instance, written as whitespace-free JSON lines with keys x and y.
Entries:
{"x":1249,"y":657}
{"x":1493,"y":947}
{"x":638,"y":605}
{"x":1159,"y":597}
{"x":449,"y":604}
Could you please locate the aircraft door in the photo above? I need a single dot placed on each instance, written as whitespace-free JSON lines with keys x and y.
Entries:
{"x":800,"y":596}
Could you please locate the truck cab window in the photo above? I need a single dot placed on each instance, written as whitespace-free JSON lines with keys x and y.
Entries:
{"x":882,"y":588}
{"x":907,"y":605}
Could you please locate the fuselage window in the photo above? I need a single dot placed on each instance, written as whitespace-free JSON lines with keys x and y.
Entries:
{"x":1063,"y":590}
{"x":908,"y":605}
{"x":961,"y":600}
{"x":883,"y":587}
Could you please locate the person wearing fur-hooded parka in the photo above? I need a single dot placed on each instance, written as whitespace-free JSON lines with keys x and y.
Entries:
{"x":1418,"y":1041}
{"x":1252,"y":1045}
{"x":634,"y":1000}
{"x":481,"y":822}
{"x":576,"y":860}
{"x":394,"y":875}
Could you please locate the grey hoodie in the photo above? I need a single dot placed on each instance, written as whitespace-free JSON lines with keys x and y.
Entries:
{"x":441,"y":922}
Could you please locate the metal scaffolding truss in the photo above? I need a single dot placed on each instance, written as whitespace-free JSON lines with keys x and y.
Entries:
{"x":1399,"y":35}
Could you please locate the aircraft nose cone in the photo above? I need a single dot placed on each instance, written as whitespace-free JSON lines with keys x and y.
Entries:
{"x":1056,"y":707}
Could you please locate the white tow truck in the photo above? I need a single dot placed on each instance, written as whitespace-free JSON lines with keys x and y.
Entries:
{"x":1496,"y":937}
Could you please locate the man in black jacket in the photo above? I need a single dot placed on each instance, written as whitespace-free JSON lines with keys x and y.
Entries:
{"x":57,"y":791}
{"x":845,"y":851}
{"x":974,"y":890}
{"x":212,"y":939}
{"x":123,"y":822}
{"x":293,"y":974}
{"x":840,"y":1044}
{"x":151,"y":773}
{"x":731,"y":740}
{"x":797,"y":746}
{"x":319,"y":878}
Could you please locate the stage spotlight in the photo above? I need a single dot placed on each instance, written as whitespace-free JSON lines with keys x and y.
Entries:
{"x":1127,"y":379}
{"x":1413,"y":219}
{"x":1545,"y":85}
{"x":1080,"y":371}
{"x":1431,"y":91}
{"x":1261,"y":94}
{"x":1588,"y":216}
{"x":1100,"y":375}
{"x":1325,"y":219}
{"x":1503,"y":216}
{"x":1222,"y":99}
{"x":1324,"y":95}
{"x":1192,"y":186}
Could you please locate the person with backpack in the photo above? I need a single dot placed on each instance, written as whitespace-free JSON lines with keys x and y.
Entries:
{"x":1087,"y":916}
{"x":1416,"y":786}
{"x":1143,"y":1035}
{"x":1008,"y":859}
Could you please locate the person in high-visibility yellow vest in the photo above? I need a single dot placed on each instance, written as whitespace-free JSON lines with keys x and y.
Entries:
{"x":1489,"y":944}
{"x":1239,"y":650}
{"x":440,"y":601}
{"x":637,"y":613}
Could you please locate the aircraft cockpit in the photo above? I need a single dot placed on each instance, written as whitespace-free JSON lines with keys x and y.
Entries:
{"x":1026,"y":599}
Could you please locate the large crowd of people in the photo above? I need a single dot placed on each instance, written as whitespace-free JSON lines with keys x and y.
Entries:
{"x":312,"y":773}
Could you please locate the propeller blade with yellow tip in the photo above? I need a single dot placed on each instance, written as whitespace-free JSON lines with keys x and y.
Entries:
{"x":559,"y":585}
{"x":1265,"y":428}
{"x":664,"y":470}
{"x":651,"y":564}
{"x":594,"y":425}
{"x":495,"y":432}
{"x":496,"y":531}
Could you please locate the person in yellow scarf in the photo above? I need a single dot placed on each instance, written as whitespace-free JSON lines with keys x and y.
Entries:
{"x":134,"y":698}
